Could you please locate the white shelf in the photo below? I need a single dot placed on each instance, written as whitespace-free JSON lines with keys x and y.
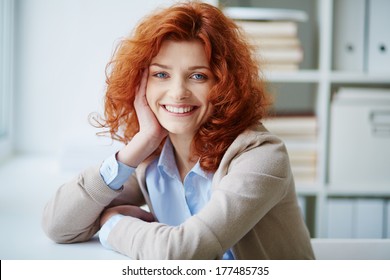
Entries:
{"x":315,"y":76}
{"x":325,"y":80}
{"x":359,"y":78}
{"x":375,"y":190}
{"x":301,"y":76}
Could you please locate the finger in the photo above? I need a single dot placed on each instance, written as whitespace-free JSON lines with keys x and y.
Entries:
{"x":141,"y":90}
{"x":144,"y":81}
{"x":140,"y":214}
{"x":134,"y":211}
{"x":147,"y":216}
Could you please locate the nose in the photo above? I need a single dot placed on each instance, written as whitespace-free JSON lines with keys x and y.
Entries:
{"x":179,"y":90}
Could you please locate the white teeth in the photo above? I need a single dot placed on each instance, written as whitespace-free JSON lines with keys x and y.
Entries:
{"x":179,"y":110}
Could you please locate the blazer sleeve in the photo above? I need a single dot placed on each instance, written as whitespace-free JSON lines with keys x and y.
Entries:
{"x":255,"y":181}
{"x":73,"y":214}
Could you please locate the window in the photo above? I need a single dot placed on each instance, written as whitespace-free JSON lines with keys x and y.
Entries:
{"x":6,"y":74}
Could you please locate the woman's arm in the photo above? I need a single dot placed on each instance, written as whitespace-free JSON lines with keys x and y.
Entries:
{"x":72,"y":215}
{"x":242,"y":198}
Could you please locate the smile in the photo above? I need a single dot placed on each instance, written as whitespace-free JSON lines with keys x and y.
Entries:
{"x":179,"y":110}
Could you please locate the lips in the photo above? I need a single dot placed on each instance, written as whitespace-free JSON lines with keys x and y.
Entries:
{"x":179,"y":109}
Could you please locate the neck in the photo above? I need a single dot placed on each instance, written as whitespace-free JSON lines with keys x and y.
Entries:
{"x":184,"y":158}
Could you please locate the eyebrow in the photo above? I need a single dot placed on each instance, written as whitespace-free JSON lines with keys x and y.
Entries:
{"x":189,"y":68}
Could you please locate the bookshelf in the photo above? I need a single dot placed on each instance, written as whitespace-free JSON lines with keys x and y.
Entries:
{"x":318,"y":76}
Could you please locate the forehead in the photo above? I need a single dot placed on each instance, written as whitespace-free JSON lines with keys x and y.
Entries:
{"x":181,"y":52}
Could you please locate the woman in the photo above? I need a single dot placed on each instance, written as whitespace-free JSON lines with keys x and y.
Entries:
{"x":184,"y":95}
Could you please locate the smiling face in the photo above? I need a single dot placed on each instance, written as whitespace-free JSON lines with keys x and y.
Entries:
{"x":178,"y":86}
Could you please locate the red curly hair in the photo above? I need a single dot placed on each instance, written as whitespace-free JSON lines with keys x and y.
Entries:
{"x":238,"y":97}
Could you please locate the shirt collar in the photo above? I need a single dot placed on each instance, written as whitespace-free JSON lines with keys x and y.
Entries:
{"x":199,"y":171}
{"x":167,"y":163}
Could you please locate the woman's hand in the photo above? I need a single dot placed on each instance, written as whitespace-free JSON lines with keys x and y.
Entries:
{"x":126,"y":210}
{"x":151,"y":133}
{"x":150,"y":128}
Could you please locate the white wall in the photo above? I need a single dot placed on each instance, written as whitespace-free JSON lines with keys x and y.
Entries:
{"x":62,"y":48}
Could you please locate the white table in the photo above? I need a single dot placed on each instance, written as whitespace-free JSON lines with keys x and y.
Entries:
{"x":26,"y":184}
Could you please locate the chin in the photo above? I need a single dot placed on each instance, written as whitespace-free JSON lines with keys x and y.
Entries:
{"x":179,"y":131}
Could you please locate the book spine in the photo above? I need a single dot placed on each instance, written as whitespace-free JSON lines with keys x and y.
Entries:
{"x":270,"y":29}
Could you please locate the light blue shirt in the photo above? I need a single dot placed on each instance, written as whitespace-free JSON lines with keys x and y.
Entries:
{"x":173,"y":200}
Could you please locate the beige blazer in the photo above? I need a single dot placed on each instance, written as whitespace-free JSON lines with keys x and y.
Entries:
{"x":253,"y":210}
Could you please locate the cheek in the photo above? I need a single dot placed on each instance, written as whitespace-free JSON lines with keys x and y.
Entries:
{"x":206,"y":100}
{"x":210,"y":110}
{"x":152,"y":102}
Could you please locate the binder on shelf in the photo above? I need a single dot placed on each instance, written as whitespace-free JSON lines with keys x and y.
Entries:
{"x":369,"y":218}
{"x":340,"y":218}
{"x":349,"y":35}
{"x":378,"y":57}
{"x":387,"y":223}
{"x":355,"y":218}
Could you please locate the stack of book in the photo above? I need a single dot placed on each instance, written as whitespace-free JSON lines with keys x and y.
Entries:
{"x":273,"y":33}
{"x":300,"y":135}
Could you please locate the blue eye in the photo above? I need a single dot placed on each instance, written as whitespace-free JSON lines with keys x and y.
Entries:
{"x":198,"y":76}
{"x":161,"y":75}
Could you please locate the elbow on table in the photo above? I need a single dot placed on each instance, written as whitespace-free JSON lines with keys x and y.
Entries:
{"x":62,"y":235}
